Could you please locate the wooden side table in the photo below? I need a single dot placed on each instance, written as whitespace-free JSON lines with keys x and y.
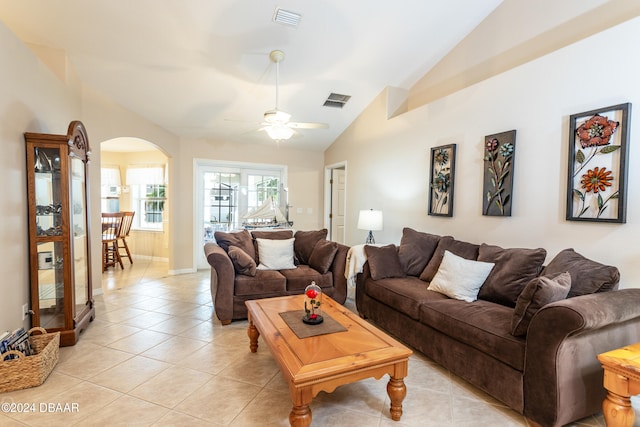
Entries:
{"x":622,"y":380}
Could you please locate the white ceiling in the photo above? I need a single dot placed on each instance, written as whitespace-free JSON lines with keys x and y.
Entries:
{"x":200,"y":68}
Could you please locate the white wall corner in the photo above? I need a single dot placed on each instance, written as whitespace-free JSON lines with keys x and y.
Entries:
{"x":397,"y":101}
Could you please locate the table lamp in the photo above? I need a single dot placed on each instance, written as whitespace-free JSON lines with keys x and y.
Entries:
{"x":370,"y":220}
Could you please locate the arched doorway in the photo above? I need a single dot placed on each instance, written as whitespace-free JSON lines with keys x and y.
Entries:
{"x":134,"y":177}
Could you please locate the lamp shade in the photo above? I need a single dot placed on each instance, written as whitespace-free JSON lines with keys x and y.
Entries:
{"x":370,"y":220}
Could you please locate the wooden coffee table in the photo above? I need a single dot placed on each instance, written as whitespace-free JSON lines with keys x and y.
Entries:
{"x":324,"y":362}
{"x":622,"y":380}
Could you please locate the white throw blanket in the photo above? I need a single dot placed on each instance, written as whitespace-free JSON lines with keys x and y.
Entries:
{"x":356,"y":257}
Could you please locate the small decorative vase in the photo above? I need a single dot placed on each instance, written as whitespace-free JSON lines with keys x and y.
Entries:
{"x":312,"y":304}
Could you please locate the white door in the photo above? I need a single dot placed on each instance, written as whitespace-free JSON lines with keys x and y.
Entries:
{"x":338,"y":179}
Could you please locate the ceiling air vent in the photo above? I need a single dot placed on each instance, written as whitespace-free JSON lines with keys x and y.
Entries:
{"x":336,"y":100}
{"x":286,"y":17}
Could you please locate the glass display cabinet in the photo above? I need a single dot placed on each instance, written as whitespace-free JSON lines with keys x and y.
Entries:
{"x":57,"y":188}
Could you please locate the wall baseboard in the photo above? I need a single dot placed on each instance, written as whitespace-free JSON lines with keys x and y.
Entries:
{"x":152,"y":258}
{"x":182,"y":271}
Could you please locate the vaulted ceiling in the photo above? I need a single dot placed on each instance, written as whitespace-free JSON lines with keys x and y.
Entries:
{"x":201,"y":68}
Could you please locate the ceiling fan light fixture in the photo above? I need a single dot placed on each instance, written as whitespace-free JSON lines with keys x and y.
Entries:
{"x":279,"y":132}
{"x":275,"y":117}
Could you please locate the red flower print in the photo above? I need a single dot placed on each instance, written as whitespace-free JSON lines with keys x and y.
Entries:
{"x":596,"y":131}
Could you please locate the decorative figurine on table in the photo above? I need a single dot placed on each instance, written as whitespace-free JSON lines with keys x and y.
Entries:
{"x":312,"y":303}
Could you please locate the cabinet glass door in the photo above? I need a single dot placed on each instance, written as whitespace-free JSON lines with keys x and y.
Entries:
{"x":48,"y":198}
{"x":48,"y":192}
{"x":51,"y":285}
{"x":79,"y":233}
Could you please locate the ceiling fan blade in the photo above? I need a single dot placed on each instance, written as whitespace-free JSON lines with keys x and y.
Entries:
{"x":302,"y":125}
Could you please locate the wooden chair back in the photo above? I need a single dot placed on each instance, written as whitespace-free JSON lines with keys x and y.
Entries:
{"x":111,"y":224}
{"x":127,"y":220}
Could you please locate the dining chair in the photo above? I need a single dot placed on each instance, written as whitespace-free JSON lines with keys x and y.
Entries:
{"x":125,"y":228}
{"x":111,"y":224}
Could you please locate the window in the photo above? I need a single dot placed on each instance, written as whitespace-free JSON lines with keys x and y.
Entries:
{"x":221,"y":199}
{"x":110,"y":189}
{"x":262,"y":187}
{"x":230,"y":193}
{"x":148,"y":196}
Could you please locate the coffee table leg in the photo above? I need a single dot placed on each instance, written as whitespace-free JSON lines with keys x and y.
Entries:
{"x":300,"y":416}
{"x":617,"y":410}
{"x":397,"y":392}
{"x":253,"y":337}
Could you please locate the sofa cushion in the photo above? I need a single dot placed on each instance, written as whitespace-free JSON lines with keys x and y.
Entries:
{"x":383,"y":261}
{"x":273,"y":235}
{"x":305,"y":242}
{"x":265,"y":283}
{"x":301,"y":277}
{"x":242,"y":261}
{"x":241,"y":239}
{"x":275,"y":254}
{"x":539,"y":292}
{"x":514,"y":268}
{"x":322,"y":255}
{"x":402,"y":294}
{"x":587,"y":276}
{"x":415,"y":250}
{"x":483,"y":325}
{"x":460,"y":278}
{"x":448,"y":243}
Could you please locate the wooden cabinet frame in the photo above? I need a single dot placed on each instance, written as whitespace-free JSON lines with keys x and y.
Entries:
{"x":59,"y":232}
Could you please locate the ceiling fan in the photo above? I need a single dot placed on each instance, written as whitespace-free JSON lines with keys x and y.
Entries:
{"x":277,"y":123}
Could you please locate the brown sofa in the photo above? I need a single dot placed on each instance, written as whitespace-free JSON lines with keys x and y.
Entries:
{"x":236,"y":275}
{"x":546,"y":370}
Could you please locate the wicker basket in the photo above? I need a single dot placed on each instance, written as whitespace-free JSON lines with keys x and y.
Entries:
{"x":30,"y":371}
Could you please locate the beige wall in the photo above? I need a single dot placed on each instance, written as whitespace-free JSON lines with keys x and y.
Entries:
{"x":389,"y":159}
{"x":104,"y":120}
{"x":515,"y":33}
{"x":31,"y":99}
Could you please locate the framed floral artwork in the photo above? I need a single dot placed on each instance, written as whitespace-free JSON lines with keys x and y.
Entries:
{"x":597,"y":174}
{"x":443,"y":160}
{"x":499,"y":152}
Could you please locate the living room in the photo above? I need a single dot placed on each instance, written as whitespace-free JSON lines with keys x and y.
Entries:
{"x":386,"y":150}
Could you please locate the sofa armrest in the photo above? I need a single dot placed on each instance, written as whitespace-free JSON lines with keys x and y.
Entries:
{"x":222,"y":281}
{"x":562,"y":376}
{"x":337,"y":270}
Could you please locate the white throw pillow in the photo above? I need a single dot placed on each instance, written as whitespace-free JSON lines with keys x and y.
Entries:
{"x":275,"y":254}
{"x":460,"y":278}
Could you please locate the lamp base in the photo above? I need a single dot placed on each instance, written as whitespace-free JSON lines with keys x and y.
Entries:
{"x":370,"y":239}
{"x":312,"y":321}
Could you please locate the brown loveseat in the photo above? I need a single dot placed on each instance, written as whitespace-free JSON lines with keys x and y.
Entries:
{"x":544,"y":368}
{"x":236,"y":275}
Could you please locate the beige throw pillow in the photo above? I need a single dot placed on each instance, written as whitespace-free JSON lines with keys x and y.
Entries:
{"x":460,"y":278}
{"x":275,"y":254}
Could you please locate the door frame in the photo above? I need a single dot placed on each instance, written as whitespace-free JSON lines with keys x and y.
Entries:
{"x":328,"y":188}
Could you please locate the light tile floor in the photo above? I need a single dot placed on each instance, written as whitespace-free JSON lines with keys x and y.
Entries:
{"x":155,"y":356}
